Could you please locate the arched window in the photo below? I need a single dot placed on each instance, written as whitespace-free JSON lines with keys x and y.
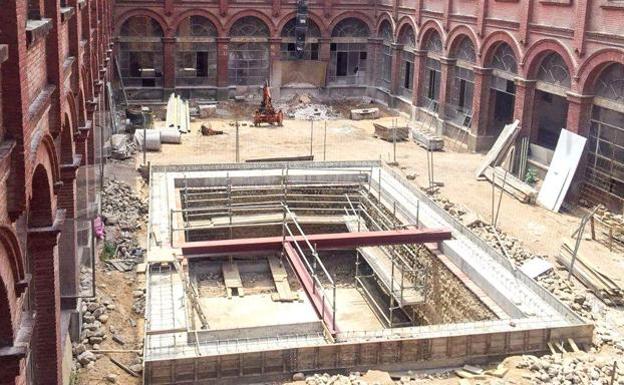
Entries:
{"x":351,"y":27}
{"x":141,"y":53}
{"x":196,"y":52}
{"x":348,"y":52}
{"x":610,"y":84}
{"x":431,"y":88}
{"x":554,"y":70}
{"x":311,"y":47}
{"x":385,"y":71}
{"x":504,"y":59}
{"x":248,"y":54}
{"x":465,"y":51}
{"x":406,"y":81}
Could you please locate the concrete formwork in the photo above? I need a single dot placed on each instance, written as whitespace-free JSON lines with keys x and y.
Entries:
{"x":526,"y":317}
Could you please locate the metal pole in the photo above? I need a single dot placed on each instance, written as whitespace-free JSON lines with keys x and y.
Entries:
{"x":311,"y":134}
{"x":325,"y":142}
{"x":613,"y":373}
{"x":394,"y":128}
{"x":144,"y":139}
{"x":237,"y":144}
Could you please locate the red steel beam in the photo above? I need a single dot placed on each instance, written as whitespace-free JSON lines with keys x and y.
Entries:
{"x":332,"y":241}
{"x":322,"y":308}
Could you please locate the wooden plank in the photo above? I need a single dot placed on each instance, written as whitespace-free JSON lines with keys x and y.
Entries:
{"x":280,"y":277}
{"x":231,"y":275}
{"x":500,"y":147}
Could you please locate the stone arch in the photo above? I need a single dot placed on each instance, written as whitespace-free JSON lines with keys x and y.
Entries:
{"x":40,"y":208}
{"x":539,"y":50}
{"x":361,"y":16}
{"x":199,"y":12}
{"x":67,"y":142}
{"x":251,"y":13}
{"x":404,"y":31}
{"x":429,"y":27}
{"x":385,"y":31}
{"x":325,"y":32}
{"x":10,"y":255}
{"x":142,"y":12}
{"x":405,"y":22}
{"x":385,"y":17}
{"x":455,"y":37}
{"x":46,"y":155}
{"x":491,"y":43}
{"x":591,"y":69}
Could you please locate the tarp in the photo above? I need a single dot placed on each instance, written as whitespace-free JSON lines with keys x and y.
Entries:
{"x":561,"y":170}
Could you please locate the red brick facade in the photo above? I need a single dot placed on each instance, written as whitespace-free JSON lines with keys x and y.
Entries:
{"x":557,"y":49}
{"x":53,"y":69}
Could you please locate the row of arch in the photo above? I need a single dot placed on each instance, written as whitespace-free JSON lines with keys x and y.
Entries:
{"x":500,"y":48}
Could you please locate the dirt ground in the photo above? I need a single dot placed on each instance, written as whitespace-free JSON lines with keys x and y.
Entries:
{"x":353,"y":140}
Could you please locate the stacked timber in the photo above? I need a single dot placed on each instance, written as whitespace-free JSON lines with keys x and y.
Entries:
{"x":427,"y":139}
{"x":391,"y":133}
{"x":511,"y":184}
{"x":600,"y":271}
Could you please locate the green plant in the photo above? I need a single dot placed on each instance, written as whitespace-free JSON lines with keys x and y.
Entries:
{"x":108,"y":251}
{"x":531,"y":176}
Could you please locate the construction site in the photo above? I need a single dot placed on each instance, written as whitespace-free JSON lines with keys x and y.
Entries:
{"x":357,"y":192}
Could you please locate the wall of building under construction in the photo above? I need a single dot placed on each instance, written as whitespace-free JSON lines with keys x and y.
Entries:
{"x":425,"y":352}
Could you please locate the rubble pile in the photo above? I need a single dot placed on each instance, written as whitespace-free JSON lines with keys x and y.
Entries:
{"x":513,"y":247}
{"x":580,"y":368}
{"x":304,"y":107}
{"x":123,"y":213}
{"x":372,"y":377}
{"x":94,"y":319}
{"x":122,"y":146}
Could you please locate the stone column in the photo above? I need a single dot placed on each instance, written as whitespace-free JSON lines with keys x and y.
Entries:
{"x":169,"y":69}
{"x":222,"y":67}
{"x":46,"y":340}
{"x":397,"y":58}
{"x":523,"y":108}
{"x":579,"y":113}
{"x":69,"y":260}
{"x":420,"y":58}
{"x":447,"y":74}
{"x":275,"y":71}
{"x":480,"y":101}
{"x":373,"y":65}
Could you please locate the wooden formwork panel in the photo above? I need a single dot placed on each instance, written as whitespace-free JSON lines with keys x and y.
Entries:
{"x":274,"y":361}
{"x":368,"y":354}
{"x":213,"y":370}
{"x":306,"y":359}
{"x":207,"y":368}
{"x":389,"y":352}
{"x":252,"y":363}
{"x":229,"y":366}
{"x":346,"y":356}
{"x":326,"y":358}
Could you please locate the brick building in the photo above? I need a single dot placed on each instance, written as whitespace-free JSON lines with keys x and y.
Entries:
{"x":54,"y":65}
{"x":473,"y":66}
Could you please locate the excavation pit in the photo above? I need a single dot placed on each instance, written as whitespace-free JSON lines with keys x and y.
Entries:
{"x":260,"y":270}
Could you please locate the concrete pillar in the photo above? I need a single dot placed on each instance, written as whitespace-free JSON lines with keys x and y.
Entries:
{"x":169,"y":55}
{"x":222,"y":67}
{"x":480,"y":101}
{"x":374,"y":61}
{"x":275,"y":74}
{"x":447,"y":74}
{"x":579,"y":113}
{"x":419,"y":76}
{"x":523,"y":108}
{"x":397,"y":58}
{"x":46,"y":339}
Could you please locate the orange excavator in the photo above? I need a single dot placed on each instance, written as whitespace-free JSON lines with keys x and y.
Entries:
{"x":266,"y":113}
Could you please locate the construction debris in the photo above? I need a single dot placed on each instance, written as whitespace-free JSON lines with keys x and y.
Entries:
{"x":499,"y":150}
{"x":152,"y":142}
{"x":581,"y":368}
{"x":206,"y":130}
{"x":121,"y":147}
{"x":511,"y":184}
{"x":390,"y":134}
{"x":365,"y":113}
{"x":427,"y":139}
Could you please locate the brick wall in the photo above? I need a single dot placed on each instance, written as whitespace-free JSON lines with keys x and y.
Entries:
{"x":30,"y":128}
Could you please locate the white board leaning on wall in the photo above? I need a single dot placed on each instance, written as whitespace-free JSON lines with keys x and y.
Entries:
{"x":561,"y":170}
